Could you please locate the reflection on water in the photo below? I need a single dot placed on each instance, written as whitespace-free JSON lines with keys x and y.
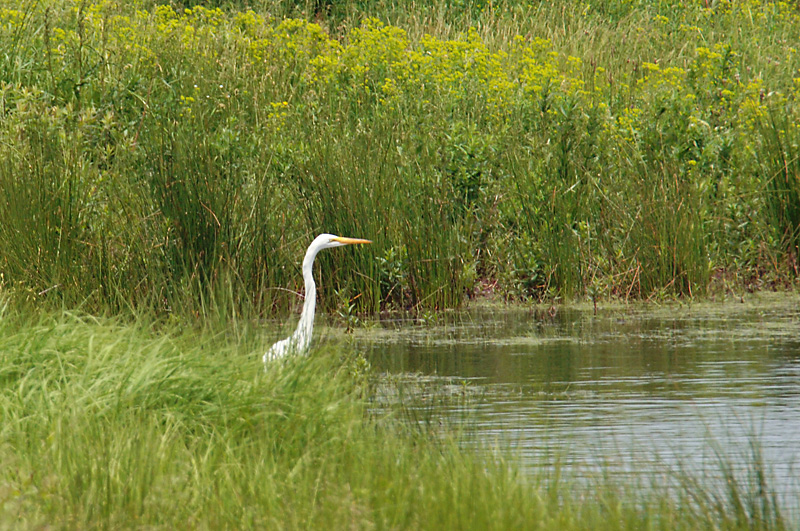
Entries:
{"x":631,"y":390}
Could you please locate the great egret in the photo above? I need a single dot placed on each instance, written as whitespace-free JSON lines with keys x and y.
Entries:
{"x":301,"y":339}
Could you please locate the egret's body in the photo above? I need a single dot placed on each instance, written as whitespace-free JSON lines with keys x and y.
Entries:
{"x":301,"y":339}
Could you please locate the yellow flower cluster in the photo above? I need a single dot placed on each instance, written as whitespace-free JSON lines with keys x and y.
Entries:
{"x":186,"y":105}
{"x":10,"y":18}
{"x":374,"y":47}
{"x":279,"y":111}
{"x":539,"y":69}
{"x":626,"y":126}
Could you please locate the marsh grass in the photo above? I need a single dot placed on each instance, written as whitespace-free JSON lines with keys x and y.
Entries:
{"x":107,"y":424}
{"x":157,"y":157}
{"x":781,"y":171}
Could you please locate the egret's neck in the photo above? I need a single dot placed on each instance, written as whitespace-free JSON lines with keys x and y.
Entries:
{"x":306,"y":325}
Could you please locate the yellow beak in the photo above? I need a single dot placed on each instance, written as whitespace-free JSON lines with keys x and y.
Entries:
{"x":349,"y":241}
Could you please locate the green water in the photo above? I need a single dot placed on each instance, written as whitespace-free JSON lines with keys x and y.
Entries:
{"x":631,"y":390}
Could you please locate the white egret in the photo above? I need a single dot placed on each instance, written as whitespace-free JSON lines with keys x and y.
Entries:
{"x":301,"y":339}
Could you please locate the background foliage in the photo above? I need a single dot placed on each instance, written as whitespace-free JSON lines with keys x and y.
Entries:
{"x":181,"y":157}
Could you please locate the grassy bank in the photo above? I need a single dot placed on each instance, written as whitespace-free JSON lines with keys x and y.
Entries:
{"x":111,"y":425}
{"x":180,"y":158}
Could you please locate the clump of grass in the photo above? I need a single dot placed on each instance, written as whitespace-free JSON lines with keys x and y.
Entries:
{"x":780,"y":169}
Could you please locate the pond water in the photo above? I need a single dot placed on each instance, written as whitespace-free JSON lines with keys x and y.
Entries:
{"x":632,"y":390}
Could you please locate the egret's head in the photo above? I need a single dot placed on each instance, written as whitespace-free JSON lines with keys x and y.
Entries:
{"x":331,"y":240}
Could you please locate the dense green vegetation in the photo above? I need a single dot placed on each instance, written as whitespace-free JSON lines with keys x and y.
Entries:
{"x":108,"y":425}
{"x":170,"y":157}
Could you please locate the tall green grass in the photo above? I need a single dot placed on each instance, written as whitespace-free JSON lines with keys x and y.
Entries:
{"x":114,"y":425}
{"x":158,"y":157}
